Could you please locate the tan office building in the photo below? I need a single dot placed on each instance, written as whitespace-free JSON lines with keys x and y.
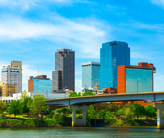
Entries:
{"x":8,"y":89}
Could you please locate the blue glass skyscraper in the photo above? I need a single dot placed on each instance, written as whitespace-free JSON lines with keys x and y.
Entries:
{"x":112,"y":54}
{"x":90,"y":74}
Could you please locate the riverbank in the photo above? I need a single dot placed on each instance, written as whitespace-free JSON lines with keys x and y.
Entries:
{"x":68,"y":121}
{"x":135,"y":122}
{"x":33,"y":123}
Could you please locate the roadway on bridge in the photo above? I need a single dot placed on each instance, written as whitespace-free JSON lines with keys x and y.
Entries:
{"x":87,"y":100}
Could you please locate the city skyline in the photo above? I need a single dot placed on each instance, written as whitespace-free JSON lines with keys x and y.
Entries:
{"x":32,"y":33}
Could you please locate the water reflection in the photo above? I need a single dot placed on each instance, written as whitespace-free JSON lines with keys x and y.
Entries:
{"x":81,"y":132}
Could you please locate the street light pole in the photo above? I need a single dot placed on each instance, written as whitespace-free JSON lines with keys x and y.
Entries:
{"x":137,"y":84}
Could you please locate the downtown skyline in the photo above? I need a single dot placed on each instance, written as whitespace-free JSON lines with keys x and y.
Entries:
{"x":32,"y":31}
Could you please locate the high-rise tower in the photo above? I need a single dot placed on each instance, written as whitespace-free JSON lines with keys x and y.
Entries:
{"x":112,"y":55}
{"x":13,"y":74}
{"x":64,"y":74}
{"x":90,"y":74}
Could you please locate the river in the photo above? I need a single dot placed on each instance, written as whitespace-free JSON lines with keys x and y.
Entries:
{"x":82,"y":132}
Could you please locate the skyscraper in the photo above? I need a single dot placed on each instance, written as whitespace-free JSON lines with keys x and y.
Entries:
{"x":112,"y":54}
{"x":64,"y":74}
{"x":13,"y":75}
{"x":90,"y":74}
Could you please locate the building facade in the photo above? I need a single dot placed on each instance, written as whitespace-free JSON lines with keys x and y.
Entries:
{"x":13,"y":74}
{"x":0,"y":91}
{"x":40,"y":84}
{"x":134,"y":79}
{"x":90,"y":74}
{"x":8,"y":89}
{"x":112,"y":55}
{"x":64,"y":75}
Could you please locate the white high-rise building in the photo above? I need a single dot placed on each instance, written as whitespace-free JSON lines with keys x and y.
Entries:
{"x":13,"y":74}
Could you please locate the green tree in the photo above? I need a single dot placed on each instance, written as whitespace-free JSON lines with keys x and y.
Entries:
{"x":15,"y":107}
{"x":102,"y":114}
{"x":59,"y":119}
{"x":64,"y":110}
{"x":139,"y":110}
{"x":88,"y":93}
{"x":129,"y":112}
{"x":25,"y":109}
{"x":120,"y":112}
{"x":24,"y":95}
{"x":37,"y":104}
{"x":3,"y":107}
{"x":100,"y":106}
{"x":75,"y":94}
{"x":91,"y":113}
{"x":109,"y":118}
{"x":113,"y":107}
{"x":149,"y":111}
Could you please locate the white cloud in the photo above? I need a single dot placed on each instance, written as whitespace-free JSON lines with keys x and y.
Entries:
{"x":158,"y":2}
{"x":23,"y":4}
{"x":85,"y":35}
{"x":27,"y":4}
{"x":149,"y":27}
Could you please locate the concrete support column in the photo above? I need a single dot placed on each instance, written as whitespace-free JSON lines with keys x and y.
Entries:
{"x":73,"y":117}
{"x":160,"y":120}
{"x":79,"y":122}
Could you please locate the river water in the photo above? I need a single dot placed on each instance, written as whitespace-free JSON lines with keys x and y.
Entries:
{"x":82,"y":132}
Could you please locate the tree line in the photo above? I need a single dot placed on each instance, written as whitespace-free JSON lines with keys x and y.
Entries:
{"x":34,"y":105}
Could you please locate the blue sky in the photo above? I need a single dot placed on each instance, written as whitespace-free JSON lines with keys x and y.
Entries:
{"x":33,"y":30}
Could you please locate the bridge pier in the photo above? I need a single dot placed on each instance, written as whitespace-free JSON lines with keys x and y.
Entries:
{"x":160,"y":120}
{"x":79,"y":122}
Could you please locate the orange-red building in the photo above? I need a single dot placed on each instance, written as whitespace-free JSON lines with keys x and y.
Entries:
{"x":134,"y":79}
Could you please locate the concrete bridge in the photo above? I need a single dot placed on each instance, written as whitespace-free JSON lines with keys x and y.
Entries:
{"x":87,"y":100}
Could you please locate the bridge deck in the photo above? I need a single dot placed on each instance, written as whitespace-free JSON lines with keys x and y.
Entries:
{"x":144,"y":96}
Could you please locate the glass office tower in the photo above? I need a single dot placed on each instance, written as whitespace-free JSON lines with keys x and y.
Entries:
{"x":139,"y":80}
{"x":134,"y":79}
{"x":112,"y":54}
{"x":40,"y":84}
{"x":90,"y":74}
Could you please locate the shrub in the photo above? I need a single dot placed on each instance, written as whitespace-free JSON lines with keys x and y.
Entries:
{"x":109,"y":118}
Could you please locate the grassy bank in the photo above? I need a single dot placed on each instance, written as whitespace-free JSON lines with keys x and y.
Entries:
{"x":67,"y":122}
{"x":135,"y":122}
{"x":34,"y":122}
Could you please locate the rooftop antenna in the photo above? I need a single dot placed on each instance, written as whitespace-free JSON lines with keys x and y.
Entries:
{"x":38,"y":70}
